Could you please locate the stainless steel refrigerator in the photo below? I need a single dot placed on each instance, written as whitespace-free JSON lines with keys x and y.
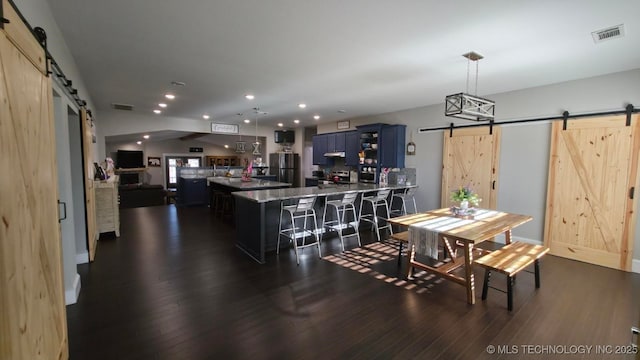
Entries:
{"x":286,"y":167}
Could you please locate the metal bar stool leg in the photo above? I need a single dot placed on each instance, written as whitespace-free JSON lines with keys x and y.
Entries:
{"x":295,"y":241}
{"x":340,"y":222}
{"x":315,"y":233}
{"x":356,"y":224}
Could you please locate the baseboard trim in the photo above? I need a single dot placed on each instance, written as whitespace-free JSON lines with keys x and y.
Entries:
{"x":527,"y":240}
{"x":501,"y":239}
{"x":71,"y":295}
{"x":82,"y":258}
{"x":635,"y":266}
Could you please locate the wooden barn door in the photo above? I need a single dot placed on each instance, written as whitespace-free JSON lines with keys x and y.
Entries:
{"x":592,"y":175}
{"x":32,"y":312}
{"x":471,"y":157}
{"x":89,"y":190}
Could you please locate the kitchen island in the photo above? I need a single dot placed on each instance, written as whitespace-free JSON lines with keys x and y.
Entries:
{"x":237,"y":184}
{"x":228,"y":185}
{"x":259,"y":211}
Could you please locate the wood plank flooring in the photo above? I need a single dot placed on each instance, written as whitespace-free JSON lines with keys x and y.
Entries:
{"x":173,"y":286}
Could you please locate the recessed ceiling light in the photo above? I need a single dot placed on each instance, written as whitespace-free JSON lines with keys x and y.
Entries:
{"x":296,"y":121}
{"x":157,"y":111}
{"x":139,"y":142}
{"x":316,"y":117}
{"x":178,"y":83}
{"x":302,"y":106}
{"x":170,"y":96}
{"x":145,"y":136}
{"x":342,"y":111}
{"x":249,"y":97}
{"x":162,"y":105}
{"x":205,"y":116}
{"x":280,"y":124}
{"x":226,"y":146}
{"x":246,"y":121}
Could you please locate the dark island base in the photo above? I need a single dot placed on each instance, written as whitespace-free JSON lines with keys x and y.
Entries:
{"x":257,"y":225}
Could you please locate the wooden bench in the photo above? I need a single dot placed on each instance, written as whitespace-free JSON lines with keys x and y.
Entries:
{"x":510,"y":260}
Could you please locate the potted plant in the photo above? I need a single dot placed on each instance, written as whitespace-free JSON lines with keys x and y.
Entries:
{"x":466,"y":199}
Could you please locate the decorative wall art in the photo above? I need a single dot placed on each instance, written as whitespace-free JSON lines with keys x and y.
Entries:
{"x":342,"y":125}
{"x":153,"y":161}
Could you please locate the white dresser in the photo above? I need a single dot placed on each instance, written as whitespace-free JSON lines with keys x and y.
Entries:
{"x":107,"y":212}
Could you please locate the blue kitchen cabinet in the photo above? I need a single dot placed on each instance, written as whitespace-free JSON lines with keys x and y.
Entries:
{"x":391,"y":146}
{"x":335,"y":142}
{"x":320,"y":146}
{"x":352,"y":148}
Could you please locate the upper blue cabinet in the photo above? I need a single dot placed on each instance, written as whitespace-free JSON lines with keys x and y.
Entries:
{"x":352,"y":144}
{"x":386,"y":144}
{"x":344,"y":141}
{"x":335,"y":142}
{"x":320,"y":146}
{"x":391,"y":143}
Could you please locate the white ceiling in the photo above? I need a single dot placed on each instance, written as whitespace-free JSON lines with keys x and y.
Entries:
{"x":361,"y":56}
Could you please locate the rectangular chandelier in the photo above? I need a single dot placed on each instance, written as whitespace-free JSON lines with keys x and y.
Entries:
{"x":469,"y":107}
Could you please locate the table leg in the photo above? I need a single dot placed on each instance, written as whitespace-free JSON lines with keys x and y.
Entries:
{"x":449,"y":250}
{"x":410,"y":257}
{"x":468,"y":270}
{"x":507,"y":237}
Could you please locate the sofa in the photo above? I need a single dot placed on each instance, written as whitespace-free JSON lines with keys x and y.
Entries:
{"x":140,"y":195}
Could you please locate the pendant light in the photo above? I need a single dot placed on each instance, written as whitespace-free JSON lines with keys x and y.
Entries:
{"x":240,"y":145}
{"x":256,"y":145}
{"x":466,"y":106}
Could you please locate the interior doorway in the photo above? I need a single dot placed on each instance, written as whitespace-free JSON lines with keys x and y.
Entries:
{"x":71,"y":207}
{"x":173,"y":162}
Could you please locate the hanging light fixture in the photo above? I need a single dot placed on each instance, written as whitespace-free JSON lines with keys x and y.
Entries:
{"x":256,"y":145}
{"x":466,"y":106}
{"x":240,"y":145}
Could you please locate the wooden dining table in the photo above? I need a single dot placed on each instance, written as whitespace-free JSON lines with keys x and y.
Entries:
{"x":468,"y":235}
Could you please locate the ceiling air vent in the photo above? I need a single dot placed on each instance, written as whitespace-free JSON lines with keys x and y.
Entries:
{"x":608,"y":33}
{"x":125,"y":107}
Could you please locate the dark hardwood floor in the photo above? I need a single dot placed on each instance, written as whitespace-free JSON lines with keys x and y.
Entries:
{"x":173,"y":286}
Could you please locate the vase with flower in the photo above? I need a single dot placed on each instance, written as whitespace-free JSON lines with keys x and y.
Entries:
{"x":465,"y":200}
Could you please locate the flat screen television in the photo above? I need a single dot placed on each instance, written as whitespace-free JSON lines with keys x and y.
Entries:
{"x":128,"y":159}
{"x":284,"y":136}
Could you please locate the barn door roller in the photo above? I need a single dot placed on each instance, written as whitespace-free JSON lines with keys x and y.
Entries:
{"x":3,"y":20}
{"x":565,"y":117}
{"x":629,"y":109}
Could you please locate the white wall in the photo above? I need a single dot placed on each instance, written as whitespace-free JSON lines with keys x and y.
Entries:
{"x":524,"y":152}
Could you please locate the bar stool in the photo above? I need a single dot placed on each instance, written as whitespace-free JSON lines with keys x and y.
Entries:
{"x":376,"y":200}
{"x":404,"y":195}
{"x":342,"y":206}
{"x":300,"y":211}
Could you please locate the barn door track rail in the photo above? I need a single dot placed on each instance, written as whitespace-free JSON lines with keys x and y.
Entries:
{"x":628,"y":111}
{"x":41,"y":36}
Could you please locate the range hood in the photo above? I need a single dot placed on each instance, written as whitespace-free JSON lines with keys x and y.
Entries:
{"x":335,"y":154}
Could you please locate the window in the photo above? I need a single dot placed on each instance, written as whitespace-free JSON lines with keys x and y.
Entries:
{"x":174,"y":162}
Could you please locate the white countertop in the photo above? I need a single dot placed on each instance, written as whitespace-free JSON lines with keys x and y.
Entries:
{"x":261,"y":196}
{"x":237,"y":183}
